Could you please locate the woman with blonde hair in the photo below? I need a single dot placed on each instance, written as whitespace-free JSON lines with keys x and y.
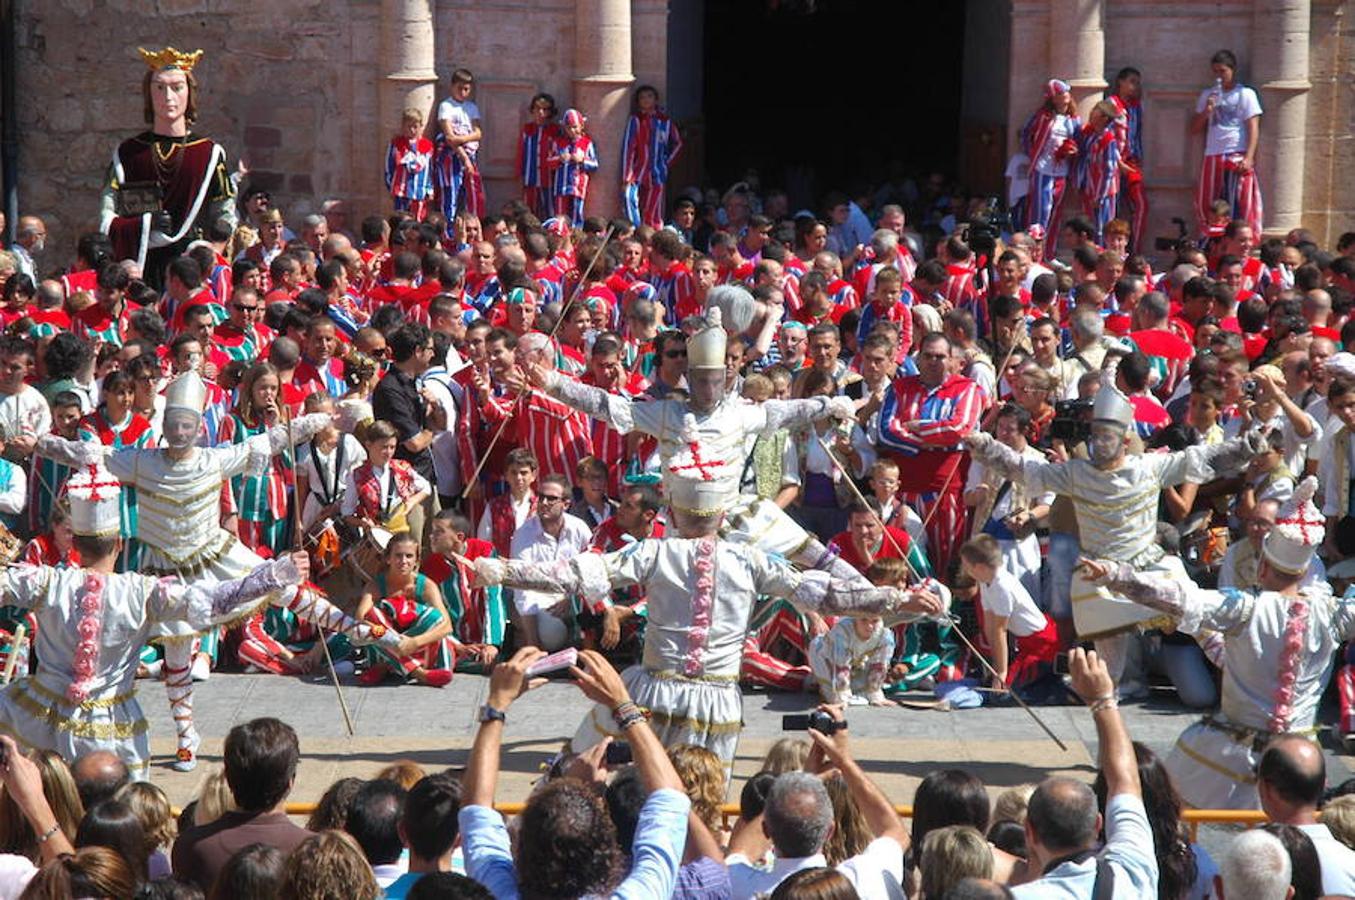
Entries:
{"x":151,"y":807}
{"x":214,"y":799}
{"x":328,"y":866}
{"x":58,"y":787}
{"x":259,"y":499}
{"x":850,"y":833}
{"x":950,"y":854}
{"x":788,"y":754}
{"x":703,"y":775}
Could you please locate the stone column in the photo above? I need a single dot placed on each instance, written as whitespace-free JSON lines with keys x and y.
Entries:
{"x":603,"y":80}
{"x":1077,"y":49}
{"x":1280,"y":73}
{"x":407,"y":61}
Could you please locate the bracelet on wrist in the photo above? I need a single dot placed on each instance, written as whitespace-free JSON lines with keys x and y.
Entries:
{"x":1105,"y":704}
{"x":47,"y":835}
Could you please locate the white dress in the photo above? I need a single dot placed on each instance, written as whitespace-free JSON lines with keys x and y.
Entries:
{"x":37,"y":711}
{"x":1276,"y":653}
{"x":700,"y":595}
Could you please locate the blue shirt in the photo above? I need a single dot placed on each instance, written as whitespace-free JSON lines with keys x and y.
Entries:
{"x":660,"y":837}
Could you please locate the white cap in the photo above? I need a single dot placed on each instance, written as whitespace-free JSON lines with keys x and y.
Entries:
{"x":706,"y":348}
{"x":188,"y":391}
{"x":95,"y":498}
{"x":1112,"y":406}
{"x":737,"y":307}
{"x":1298,"y":531}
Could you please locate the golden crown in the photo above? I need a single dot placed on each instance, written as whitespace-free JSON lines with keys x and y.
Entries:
{"x":169,"y":58}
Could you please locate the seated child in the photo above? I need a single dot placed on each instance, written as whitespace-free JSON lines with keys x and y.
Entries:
{"x":478,"y":614}
{"x":409,"y":602}
{"x":383,"y":492}
{"x":1006,"y":608}
{"x":851,"y":660}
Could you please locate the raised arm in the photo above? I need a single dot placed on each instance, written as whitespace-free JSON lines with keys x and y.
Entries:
{"x":1205,"y":462}
{"x":592,"y":576}
{"x":793,"y":414}
{"x":204,"y":605}
{"x":1192,"y":608}
{"x":1093,"y":684}
{"x":303,"y":429}
{"x":818,"y":591}
{"x":592,"y":401}
{"x":72,"y":453}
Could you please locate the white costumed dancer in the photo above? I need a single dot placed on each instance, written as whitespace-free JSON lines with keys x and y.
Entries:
{"x":724,"y":428}
{"x":1115,"y":497}
{"x":92,"y":624}
{"x":700,"y":591}
{"x":1276,"y":644}
{"x":179,"y":526}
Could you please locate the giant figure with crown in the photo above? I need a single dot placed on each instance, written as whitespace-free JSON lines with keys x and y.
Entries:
{"x":178,"y":493}
{"x":167,"y":184}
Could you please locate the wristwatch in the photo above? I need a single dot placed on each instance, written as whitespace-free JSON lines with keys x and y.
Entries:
{"x":490,"y":714}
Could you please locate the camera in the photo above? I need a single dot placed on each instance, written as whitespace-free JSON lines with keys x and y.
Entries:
{"x":1072,"y":421}
{"x":1249,"y":388}
{"x":818,"y":721}
{"x":618,"y":753}
{"x":986,"y":227}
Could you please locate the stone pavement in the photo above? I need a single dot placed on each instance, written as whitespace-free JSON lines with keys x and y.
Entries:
{"x":435,"y":728}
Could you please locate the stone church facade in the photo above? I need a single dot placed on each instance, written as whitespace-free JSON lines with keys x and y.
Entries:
{"x":309,"y":92}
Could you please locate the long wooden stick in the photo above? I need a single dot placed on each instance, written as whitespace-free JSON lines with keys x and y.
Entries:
{"x":564,"y":310}
{"x":955,"y":626}
{"x":298,"y":543}
{"x":15,"y":645}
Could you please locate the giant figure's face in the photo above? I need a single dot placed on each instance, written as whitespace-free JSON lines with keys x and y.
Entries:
{"x":169,"y":94}
{"x":706,"y":388}
{"x":182,"y":427}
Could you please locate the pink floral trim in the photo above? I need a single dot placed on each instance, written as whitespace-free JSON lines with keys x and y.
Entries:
{"x":90,"y":626}
{"x":703,"y":603}
{"x":1290,"y":654}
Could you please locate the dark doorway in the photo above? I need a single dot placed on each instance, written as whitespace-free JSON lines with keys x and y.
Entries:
{"x":820,"y":94}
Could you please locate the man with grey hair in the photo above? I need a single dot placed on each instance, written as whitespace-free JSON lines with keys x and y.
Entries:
{"x":1062,"y":822}
{"x":1024,"y":247}
{"x":885,"y":251}
{"x":1088,"y":353}
{"x":314,"y":230}
{"x":1257,"y":867}
{"x":798,"y":820}
{"x":30,"y":237}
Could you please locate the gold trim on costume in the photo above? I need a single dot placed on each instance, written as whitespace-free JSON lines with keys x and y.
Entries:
{"x":53,"y":718}
{"x":672,"y":675}
{"x":1212,"y":765}
{"x":38,"y":688}
{"x":696,"y":726}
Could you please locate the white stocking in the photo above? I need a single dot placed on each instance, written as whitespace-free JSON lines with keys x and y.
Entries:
{"x":179,"y":688}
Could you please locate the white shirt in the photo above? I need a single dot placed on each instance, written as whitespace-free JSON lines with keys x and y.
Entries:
{"x":463,"y":115}
{"x":446,"y":465}
{"x":24,"y":414}
{"x":1005,"y":596}
{"x":1338,"y":860}
{"x":875,"y":872}
{"x":533,"y":544}
{"x":1228,"y":125}
{"x":322,"y":482}
{"x":1128,"y":849}
{"x":1048,"y":161}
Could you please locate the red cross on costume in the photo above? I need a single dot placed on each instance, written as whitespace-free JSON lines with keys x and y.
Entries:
{"x":700,"y":465}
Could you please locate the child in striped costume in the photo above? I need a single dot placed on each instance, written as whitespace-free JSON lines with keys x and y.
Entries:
{"x":1230,"y":115}
{"x":535,"y":141}
{"x":1100,"y":166}
{"x":1049,"y":140}
{"x":455,"y":172}
{"x":258,"y":502}
{"x":407,"y":602}
{"x":115,"y":425}
{"x":478,"y":615}
{"x":573,"y":159}
{"x":47,"y":476}
{"x":650,"y":145}
{"x":409,"y":166}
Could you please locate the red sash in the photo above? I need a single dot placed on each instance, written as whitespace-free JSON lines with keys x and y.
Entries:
{"x":369,"y":488}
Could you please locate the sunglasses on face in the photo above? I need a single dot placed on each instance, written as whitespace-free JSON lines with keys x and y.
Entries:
{"x":675,"y":354}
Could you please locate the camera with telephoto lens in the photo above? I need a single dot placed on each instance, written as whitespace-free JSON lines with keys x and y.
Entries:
{"x":818,"y":720}
{"x":986,"y":227}
{"x":1072,"y":421}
